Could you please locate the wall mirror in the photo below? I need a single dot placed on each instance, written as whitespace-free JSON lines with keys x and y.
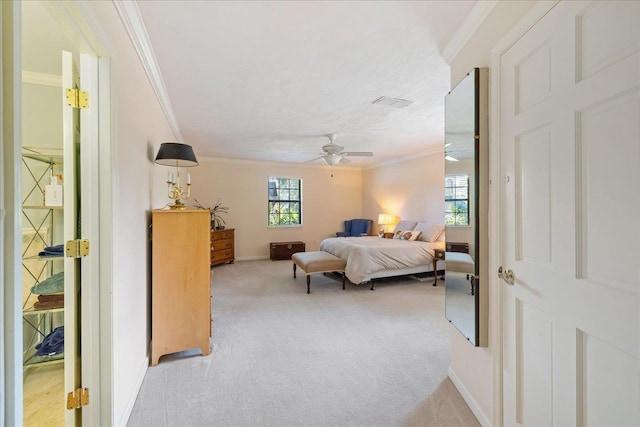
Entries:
{"x":466,"y":203}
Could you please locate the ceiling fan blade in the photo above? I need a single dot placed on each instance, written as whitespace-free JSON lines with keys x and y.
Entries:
{"x":313,"y":160}
{"x":358,"y":153}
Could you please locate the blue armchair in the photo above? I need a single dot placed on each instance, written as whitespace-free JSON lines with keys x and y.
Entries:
{"x":355,"y":228}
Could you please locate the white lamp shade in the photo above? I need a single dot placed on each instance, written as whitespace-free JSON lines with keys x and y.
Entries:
{"x":384,"y":219}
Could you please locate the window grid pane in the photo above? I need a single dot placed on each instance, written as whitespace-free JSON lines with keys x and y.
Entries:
{"x":456,"y":194}
{"x":285,"y":201}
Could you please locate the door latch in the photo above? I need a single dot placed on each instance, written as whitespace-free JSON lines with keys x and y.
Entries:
{"x":506,"y":275}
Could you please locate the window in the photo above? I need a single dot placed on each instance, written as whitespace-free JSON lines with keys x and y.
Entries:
{"x":456,"y":200}
{"x":285,"y":201}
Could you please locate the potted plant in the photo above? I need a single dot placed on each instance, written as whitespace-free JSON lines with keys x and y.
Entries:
{"x":217,"y":221}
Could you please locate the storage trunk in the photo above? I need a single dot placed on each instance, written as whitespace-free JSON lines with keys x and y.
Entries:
{"x":284,"y":250}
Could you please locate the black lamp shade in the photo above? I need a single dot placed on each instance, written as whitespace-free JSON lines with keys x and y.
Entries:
{"x":176,"y":154}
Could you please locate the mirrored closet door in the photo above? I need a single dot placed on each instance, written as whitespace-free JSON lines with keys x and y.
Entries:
{"x":466,"y":206}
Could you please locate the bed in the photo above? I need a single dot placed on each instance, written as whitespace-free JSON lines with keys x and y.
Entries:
{"x":411,"y":251}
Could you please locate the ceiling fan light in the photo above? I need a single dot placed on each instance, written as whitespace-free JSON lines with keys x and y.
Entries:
{"x":331,"y":159}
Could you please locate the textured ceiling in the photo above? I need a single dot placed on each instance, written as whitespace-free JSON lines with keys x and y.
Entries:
{"x":266,"y":80}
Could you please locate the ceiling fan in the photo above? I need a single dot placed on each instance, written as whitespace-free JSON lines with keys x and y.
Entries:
{"x":333,"y":153}
{"x":447,"y":156}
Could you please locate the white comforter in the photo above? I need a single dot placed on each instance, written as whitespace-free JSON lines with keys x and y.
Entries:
{"x":367,"y":255}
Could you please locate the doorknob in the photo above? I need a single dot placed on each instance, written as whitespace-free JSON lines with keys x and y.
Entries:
{"x":506,"y":275}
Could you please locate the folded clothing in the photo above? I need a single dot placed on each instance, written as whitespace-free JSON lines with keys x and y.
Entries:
{"x":50,"y":297}
{"x":51,"y":285}
{"x":49,"y":301}
{"x":52,"y":344}
{"x":48,"y":304}
{"x":57,"y":250}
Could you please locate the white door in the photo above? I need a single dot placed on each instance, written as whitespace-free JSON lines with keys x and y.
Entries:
{"x":71,"y":147}
{"x":570,"y":166}
{"x":81,"y":216}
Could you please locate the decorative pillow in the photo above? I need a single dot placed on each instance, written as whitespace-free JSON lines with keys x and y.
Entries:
{"x":415,"y":235}
{"x":404,"y":225}
{"x":398,"y":234}
{"x":430,"y":232}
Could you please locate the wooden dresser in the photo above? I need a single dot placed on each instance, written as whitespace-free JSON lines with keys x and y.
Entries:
{"x":180,"y":282}
{"x":222,"y":246}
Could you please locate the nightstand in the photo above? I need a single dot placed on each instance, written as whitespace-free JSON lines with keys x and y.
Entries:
{"x":439,"y":255}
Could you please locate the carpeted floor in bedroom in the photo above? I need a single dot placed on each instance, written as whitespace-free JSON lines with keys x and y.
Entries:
{"x":281,"y":357}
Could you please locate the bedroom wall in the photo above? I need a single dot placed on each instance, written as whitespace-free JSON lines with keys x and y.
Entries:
{"x":137,"y":123}
{"x":412,"y":189}
{"x":242,"y":186}
{"x":471,"y":367}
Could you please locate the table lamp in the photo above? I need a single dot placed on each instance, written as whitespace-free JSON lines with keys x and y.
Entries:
{"x":385,"y":219}
{"x":176,"y":154}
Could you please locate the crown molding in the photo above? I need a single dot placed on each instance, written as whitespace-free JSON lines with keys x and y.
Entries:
{"x":41,"y":79}
{"x":426,"y":153}
{"x":134,"y":24}
{"x":476,"y":17}
{"x":421,"y":154}
{"x":274,"y":163}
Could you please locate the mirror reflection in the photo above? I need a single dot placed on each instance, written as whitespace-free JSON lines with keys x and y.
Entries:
{"x":460,"y":206}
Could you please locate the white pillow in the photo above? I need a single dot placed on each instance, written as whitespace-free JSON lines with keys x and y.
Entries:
{"x":411,"y":235}
{"x":398,"y":234}
{"x":430,"y":232}
{"x":404,"y":225}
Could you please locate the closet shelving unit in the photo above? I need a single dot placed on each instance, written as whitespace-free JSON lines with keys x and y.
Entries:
{"x":39,"y":164}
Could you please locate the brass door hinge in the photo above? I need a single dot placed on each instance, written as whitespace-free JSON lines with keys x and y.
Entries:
{"x":78,"y":398}
{"x":76,"y":248}
{"x":77,"y":98}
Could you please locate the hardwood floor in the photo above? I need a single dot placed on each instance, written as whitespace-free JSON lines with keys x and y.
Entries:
{"x":44,"y":401}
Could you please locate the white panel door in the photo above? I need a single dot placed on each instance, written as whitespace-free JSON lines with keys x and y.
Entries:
{"x":570,"y":166}
{"x":71,"y":141}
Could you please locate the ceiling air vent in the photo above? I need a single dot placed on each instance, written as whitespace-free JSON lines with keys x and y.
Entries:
{"x":392,"y":102}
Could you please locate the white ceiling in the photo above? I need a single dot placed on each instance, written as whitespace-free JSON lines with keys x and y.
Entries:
{"x":266,"y":80}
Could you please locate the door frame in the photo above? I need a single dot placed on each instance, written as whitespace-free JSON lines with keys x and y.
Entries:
{"x":537,"y":12}
{"x":10,"y":309}
{"x":98,"y":365}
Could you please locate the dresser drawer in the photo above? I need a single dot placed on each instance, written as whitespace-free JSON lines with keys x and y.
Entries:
{"x":223,"y":255}
{"x":222,"y":246}
{"x":217,"y":245}
{"x":221,"y":234}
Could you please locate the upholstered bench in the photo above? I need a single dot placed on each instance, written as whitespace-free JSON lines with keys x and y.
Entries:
{"x":317,"y":262}
{"x":462,"y":263}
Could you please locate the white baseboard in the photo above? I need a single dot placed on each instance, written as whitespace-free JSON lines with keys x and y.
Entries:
{"x":473,"y":405}
{"x":123,"y":419}
{"x":251,"y":258}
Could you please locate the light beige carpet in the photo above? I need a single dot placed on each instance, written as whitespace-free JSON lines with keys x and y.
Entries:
{"x":332,"y":358}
